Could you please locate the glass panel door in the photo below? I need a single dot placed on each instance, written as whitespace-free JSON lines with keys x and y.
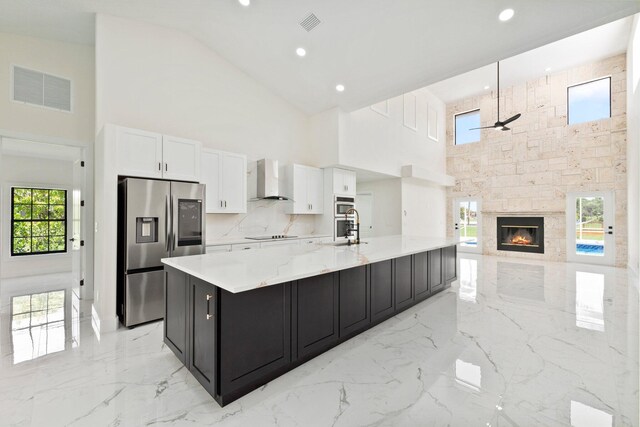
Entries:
{"x":467,"y":224}
{"x":590,"y":237}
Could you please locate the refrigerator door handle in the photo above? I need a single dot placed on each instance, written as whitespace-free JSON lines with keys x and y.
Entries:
{"x":167,"y":223}
{"x":174,"y":219}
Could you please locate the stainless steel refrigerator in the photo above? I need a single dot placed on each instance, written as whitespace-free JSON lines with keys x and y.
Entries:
{"x":156,"y":219}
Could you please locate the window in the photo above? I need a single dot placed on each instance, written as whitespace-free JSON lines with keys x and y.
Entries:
{"x":464,"y":123}
{"x":38,"y":221}
{"x":589,"y":101}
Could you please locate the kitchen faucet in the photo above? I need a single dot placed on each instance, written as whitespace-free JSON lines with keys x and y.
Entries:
{"x":357,"y":229}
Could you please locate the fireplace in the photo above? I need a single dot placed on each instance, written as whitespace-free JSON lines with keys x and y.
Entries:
{"x":521,"y":234}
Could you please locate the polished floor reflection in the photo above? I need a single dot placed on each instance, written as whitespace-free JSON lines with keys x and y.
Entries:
{"x":512,"y":343}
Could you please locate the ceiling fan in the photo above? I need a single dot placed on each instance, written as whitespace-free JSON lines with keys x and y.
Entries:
{"x":500,"y":125}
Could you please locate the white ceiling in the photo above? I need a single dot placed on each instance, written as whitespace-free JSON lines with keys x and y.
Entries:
{"x":376,"y":48}
{"x":589,"y":46}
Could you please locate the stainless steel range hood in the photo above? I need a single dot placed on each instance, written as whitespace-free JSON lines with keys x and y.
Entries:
{"x":268,"y":184}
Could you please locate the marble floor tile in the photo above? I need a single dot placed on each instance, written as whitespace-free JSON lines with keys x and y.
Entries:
{"x":511,"y":343}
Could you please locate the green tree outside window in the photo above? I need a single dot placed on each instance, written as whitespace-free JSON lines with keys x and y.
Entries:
{"x":38,"y":221}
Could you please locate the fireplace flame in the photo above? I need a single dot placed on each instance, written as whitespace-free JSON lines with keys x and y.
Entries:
{"x":520,"y":240}
{"x":521,"y":237}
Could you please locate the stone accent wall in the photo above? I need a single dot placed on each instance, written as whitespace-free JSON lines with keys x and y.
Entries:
{"x":530,"y":169}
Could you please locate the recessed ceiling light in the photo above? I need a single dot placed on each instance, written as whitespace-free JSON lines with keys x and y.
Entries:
{"x":245,"y":3}
{"x":547,"y":69}
{"x":340,"y":88}
{"x":506,"y":14}
{"x":301,"y":51}
{"x":486,"y":88}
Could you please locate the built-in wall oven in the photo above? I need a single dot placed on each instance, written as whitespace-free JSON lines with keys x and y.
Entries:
{"x":342,"y":205}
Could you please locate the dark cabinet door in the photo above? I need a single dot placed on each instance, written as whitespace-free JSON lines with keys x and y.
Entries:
{"x":203,"y":318}
{"x":354,"y":300}
{"x":315,"y":314}
{"x":255,"y":335}
{"x":435,"y":271}
{"x":404,"y":282}
{"x":176,"y":297}
{"x":382,"y":293}
{"x":421,"y":275}
{"x":450,"y":263}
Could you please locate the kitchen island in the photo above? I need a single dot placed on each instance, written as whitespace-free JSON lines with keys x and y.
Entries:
{"x":237,"y":320}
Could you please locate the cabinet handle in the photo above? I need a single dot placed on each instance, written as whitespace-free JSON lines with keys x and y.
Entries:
{"x":166,"y":167}
{"x":209,"y":297}
{"x":225,"y":203}
{"x":221,"y":204}
{"x":159,"y":166}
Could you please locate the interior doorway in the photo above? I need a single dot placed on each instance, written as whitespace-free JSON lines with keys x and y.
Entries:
{"x":467,"y":223}
{"x":43,"y":224}
{"x":364,"y":205}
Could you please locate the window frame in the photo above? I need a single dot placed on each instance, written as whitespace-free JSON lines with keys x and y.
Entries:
{"x":455,"y":133}
{"x":12,"y":253}
{"x":586,"y":83}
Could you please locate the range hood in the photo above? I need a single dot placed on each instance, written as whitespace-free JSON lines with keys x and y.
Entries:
{"x":268,"y":185}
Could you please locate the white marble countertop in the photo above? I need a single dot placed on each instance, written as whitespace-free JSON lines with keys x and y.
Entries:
{"x":246,"y":270}
{"x":243,"y":240}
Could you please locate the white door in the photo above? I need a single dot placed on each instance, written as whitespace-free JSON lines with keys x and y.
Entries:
{"x":139,"y":153}
{"x":339,"y":186}
{"x":210,"y":177}
{"x":590,"y":227}
{"x":234,"y":187}
{"x":467,"y":224}
{"x":181,"y":159}
{"x":364,"y":205}
{"x":76,"y":241}
{"x":315,"y":190}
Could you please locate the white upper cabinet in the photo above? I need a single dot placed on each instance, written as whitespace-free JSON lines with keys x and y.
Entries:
{"x":152,"y":155}
{"x":225,"y":176}
{"x":181,"y":159}
{"x":139,"y":153}
{"x":304,"y":185}
{"x":210,"y":176}
{"x":344,"y":182}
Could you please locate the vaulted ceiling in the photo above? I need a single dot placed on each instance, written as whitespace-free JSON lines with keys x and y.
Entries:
{"x":375,"y":48}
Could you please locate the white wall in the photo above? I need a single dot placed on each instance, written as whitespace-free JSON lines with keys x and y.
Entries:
{"x":633,"y":145}
{"x":380,"y":143}
{"x":160,"y":79}
{"x":22,"y":121}
{"x":387,"y":202}
{"x":69,"y":60}
{"x":29,"y":171}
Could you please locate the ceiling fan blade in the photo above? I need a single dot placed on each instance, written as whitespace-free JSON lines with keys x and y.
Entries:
{"x":505,"y":128}
{"x":484,"y":127}
{"x":510,"y":119}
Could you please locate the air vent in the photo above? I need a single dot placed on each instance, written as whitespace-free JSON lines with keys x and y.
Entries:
{"x":36,"y":88}
{"x":310,"y":22}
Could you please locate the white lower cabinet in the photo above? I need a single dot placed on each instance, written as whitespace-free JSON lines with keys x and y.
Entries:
{"x":218,"y":248}
{"x":244,"y":246}
{"x":315,"y":240}
{"x":291,"y":242}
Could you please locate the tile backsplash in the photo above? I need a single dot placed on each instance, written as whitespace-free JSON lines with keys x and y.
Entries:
{"x":263,"y":217}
